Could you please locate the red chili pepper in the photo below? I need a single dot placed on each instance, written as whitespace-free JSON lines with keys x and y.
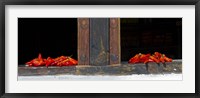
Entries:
{"x":154,"y":59}
{"x":74,"y":62}
{"x":49,"y":61}
{"x":144,"y":57}
{"x":162,"y":59}
{"x":59,"y":61}
{"x":149,"y":60}
{"x":37,"y":61}
{"x":167,"y":59}
{"x":157,"y":55}
{"x":135,"y":59}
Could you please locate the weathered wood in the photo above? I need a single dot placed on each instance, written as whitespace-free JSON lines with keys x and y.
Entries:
{"x":115,"y":41}
{"x":99,"y":41}
{"x":83,"y":41}
{"x":52,"y":70}
{"x":122,"y":69}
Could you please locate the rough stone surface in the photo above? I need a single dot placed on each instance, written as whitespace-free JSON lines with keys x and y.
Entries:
{"x":120,"y":69}
{"x":153,"y":68}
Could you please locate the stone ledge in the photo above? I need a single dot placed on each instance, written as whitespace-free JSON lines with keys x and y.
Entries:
{"x":120,"y":69}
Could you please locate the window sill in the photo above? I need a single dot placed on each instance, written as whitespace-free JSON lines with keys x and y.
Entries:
{"x":119,"y":69}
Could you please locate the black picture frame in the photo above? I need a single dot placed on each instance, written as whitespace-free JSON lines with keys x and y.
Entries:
{"x":3,"y":3}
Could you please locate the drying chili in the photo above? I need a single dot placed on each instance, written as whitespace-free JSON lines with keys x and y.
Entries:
{"x":59,"y":61}
{"x":145,"y":58}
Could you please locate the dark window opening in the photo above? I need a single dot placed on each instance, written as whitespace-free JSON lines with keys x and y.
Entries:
{"x":148,"y":35}
{"x":49,"y":36}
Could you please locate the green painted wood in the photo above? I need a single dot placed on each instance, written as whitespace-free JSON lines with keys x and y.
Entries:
{"x":99,"y":41}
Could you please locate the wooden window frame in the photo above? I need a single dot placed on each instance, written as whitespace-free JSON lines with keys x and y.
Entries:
{"x":86,"y":34}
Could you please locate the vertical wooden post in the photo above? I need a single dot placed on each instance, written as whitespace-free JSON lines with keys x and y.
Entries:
{"x":83,"y":41}
{"x":99,"y":41}
{"x":115,"y":41}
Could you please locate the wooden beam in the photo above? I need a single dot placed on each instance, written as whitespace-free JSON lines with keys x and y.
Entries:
{"x":99,"y":41}
{"x":83,"y":41}
{"x":115,"y":41}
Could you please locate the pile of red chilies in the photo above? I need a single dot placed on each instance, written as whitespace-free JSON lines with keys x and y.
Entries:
{"x":68,"y":61}
{"x":59,"y":61}
{"x":145,"y":58}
